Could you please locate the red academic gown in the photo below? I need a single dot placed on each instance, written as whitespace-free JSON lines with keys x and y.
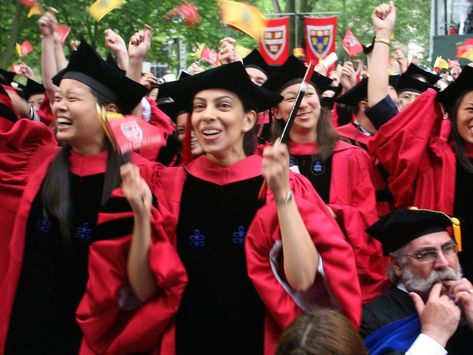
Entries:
{"x":26,"y":150}
{"x":355,"y":135}
{"x":342,"y":290}
{"x":352,"y":198}
{"x":413,"y":147}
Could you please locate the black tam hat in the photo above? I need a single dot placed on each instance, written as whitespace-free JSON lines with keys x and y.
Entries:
{"x":32,"y":88}
{"x":356,"y":94}
{"x":292,"y":72}
{"x":401,"y":226}
{"x":408,"y":83}
{"x":464,"y":83}
{"x":256,"y":60}
{"x":417,"y":72}
{"x":232,"y":77}
{"x":6,"y":77}
{"x":89,"y":68}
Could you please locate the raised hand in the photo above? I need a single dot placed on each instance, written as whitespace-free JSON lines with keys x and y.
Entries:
{"x":384,"y":18}
{"x":136,"y":190}
{"x":439,"y":316}
{"x":276,"y":169}
{"x":140,"y":43}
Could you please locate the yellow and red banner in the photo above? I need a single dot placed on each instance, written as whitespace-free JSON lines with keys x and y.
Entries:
{"x":102,"y":7}
{"x":320,"y":37}
{"x":24,"y":48}
{"x":243,"y":17}
{"x":274,"y":42}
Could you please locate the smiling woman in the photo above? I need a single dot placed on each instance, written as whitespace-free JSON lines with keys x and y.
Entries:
{"x":340,"y":172}
{"x":247,"y":260}
{"x":52,"y":198}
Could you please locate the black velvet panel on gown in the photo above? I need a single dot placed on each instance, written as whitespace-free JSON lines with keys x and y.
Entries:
{"x":220,"y":313}
{"x":318,"y":172}
{"x":54,"y":275}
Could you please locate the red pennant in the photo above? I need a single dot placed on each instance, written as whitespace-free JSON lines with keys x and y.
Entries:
{"x":274,"y":42}
{"x":131,"y":133}
{"x":210,"y":56}
{"x":24,"y":48}
{"x":188,"y":12}
{"x":320,"y":37}
{"x":27,"y":3}
{"x":351,"y":45}
{"x":62,"y":32}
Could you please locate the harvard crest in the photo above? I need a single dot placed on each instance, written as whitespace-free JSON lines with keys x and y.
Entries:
{"x":274,"y":41}
{"x":320,"y":39}
{"x":132,"y":131}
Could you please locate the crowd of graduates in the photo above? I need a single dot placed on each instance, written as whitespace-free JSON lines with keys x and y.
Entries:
{"x":272,"y":211}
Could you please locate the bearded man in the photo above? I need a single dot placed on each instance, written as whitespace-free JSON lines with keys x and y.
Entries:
{"x":430,"y":308}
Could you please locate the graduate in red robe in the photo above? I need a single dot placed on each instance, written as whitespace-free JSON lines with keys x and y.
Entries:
{"x":426,"y":152}
{"x":339,"y":171}
{"x":252,"y":265}
{"x":51,"y":197}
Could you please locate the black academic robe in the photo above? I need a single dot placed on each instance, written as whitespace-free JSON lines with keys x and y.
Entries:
{"x":397,"y":304}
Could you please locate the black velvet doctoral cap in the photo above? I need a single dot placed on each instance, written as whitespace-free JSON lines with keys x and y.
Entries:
{"x":256,"y":60}
{"x":356,"y":94}
{"x":463,"y":84}
{"x":401,"y":226}
{"x":292,"y":72}
{"x":415,"y":71}
{"x":89,"y":68}
{"x":232,"y":77}
{"x":6,"y":77}
{"x":171,"y":108}
{"x":408,"y":83}
{"x":32,"y":87}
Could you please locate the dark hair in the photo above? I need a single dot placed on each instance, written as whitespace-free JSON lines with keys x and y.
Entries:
{"x":55,"y":191}
{"x":457,"y":139}
{"x":322,"y":332}
{"x":250,"y":140}
{"x":327,"y":136}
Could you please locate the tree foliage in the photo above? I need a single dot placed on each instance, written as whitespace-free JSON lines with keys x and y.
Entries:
{"x":412,"y":24}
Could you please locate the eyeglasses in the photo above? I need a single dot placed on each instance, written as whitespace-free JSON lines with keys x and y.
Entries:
{"x":431,"y":255}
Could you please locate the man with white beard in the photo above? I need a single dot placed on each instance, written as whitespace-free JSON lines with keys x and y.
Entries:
{"x":430,"y":309}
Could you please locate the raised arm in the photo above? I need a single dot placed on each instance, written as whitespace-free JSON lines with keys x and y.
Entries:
{"x":117,"y":45}
{"x":384,"y":18}
{"x":300,"y":255}
{"x":138,"y":194}
{"x":47,"y":24}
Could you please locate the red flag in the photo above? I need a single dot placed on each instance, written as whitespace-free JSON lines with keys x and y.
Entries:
{"x":27,"y":3}
{"x":62,"y":32}
{"x":274,"y":43}
{"x":131,"y":133}
{"x":188,"y":12}
{"x":210,"y":56}
{"x":320,"y":33}
{"x":24,"y":48}
{"x":351,"y":45}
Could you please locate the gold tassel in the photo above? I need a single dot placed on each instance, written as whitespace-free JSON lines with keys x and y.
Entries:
{"x":457,"y":234}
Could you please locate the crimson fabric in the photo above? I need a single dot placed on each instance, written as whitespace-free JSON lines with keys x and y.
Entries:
{"x":113,"y":322}
{"x":353,"y":199}
{"x":350,"y":131}
{"x":164,"y":123}
{"x":413,"y":148}
{"x":45,"y":113}
{"x":337,"y":256}
{"x":26,"y":149}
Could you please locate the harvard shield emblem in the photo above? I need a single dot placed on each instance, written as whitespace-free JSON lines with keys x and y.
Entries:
{"x":274,"y":39}
{"x":320,"y":39}
{"x":132,"y":131}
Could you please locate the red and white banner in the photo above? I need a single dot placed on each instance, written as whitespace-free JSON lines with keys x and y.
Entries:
{"x":210,"y":56}
{"x":62,"y":32}
{"x":351,"y":45}
{"x":320,"y":37}
{"x":274,"y":43}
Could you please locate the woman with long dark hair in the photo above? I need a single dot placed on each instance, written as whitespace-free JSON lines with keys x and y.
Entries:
{"x":54,"y":195}
{"x":339,"y":171}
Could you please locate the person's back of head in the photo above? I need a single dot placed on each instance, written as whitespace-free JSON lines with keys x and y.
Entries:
{"x":322,"y":332}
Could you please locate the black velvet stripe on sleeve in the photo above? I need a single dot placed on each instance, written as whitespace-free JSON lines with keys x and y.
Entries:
{"x":7,"y":113}
{"x":382,"y":112}
{"x":114,"y":229}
